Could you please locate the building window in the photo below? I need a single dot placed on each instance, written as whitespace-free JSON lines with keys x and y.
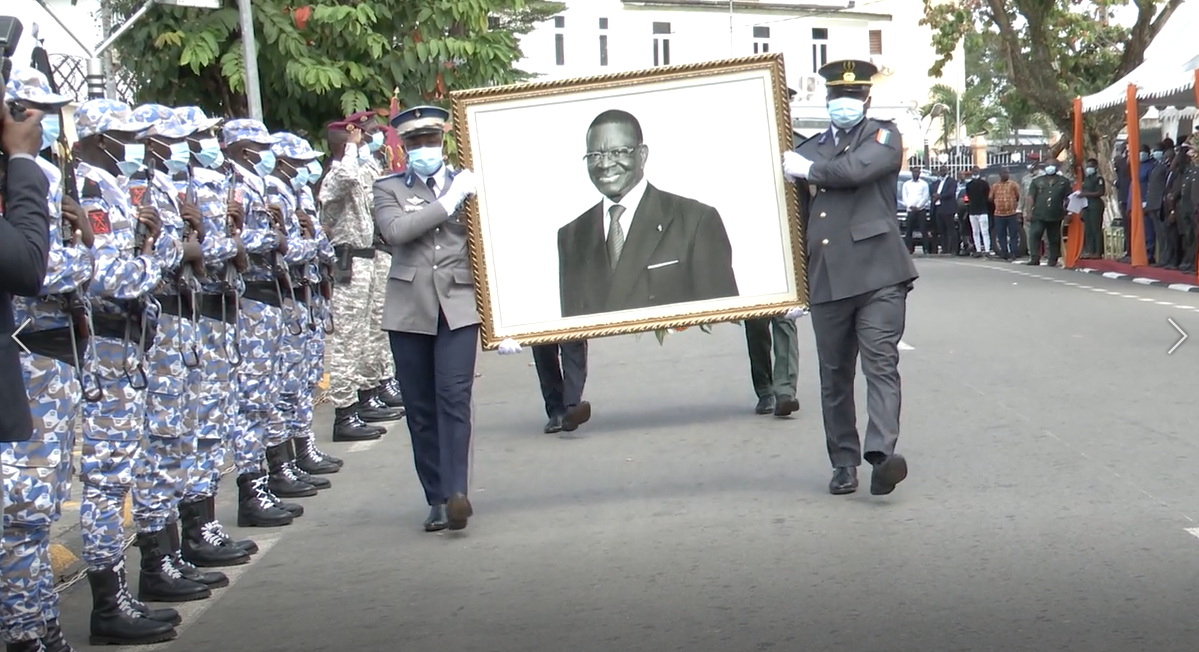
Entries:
{"x":559,"y":49}
{"x":876,"y":42}
{"x":603,"y":49}
{"x":761,"y":39}
{"x":661,"y":44}
{"x":603,"y":23}
{"x":819,"y":48}
{"x":661,"y":28}
{"x":559,"y":22}
{"x":493,"y":22}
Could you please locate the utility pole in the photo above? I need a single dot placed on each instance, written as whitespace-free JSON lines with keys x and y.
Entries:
{"x":250,"y":58}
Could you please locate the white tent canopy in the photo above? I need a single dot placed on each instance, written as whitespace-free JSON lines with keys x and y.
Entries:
{"x":1167,"y":76}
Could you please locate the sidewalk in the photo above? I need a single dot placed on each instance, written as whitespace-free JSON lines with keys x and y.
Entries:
{"x":66,"y":546}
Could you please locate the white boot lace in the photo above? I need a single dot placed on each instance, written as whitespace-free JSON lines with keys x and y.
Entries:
{"x":212,"y":534}
{"x":265,"y":497}
{"x":168,"y":568}
{"x":126,"y":603}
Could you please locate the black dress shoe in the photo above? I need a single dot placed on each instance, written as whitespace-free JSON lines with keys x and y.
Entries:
{"x":765,"y":405}
{"x":437,"y":520}
{"x":576,"y":415}
{"x":785,"y":405}
{"x":845,"y":481}
{"x":553,"y":425}
{"x":887,"y":474}
{"x":458,"y":510}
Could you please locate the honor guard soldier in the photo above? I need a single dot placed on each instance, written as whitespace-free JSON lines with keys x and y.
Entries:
{"x":130,"y":262}
{"x":430,"y":313}
{"x":204,"y":184}
{"x":37,"y":473}
{"x":247,"y":145}
{"x":295,"y":158}
{"x":859,"y":274}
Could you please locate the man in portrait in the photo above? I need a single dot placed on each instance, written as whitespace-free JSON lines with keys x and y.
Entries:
{"x":638,"y":246}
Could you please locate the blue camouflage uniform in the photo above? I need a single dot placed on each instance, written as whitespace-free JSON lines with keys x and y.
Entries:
{"x":37,"y":473}
{"x":261,"y":326}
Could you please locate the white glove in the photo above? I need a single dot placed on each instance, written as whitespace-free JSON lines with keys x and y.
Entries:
{"x":796,"y":166}
{"x":461,"y":187}
{"x":796,"y":314}
{"x":509,"y":347}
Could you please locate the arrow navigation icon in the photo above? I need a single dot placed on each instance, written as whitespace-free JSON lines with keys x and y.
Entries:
{"x":1183,"y":336}
{"x":18,"y":332}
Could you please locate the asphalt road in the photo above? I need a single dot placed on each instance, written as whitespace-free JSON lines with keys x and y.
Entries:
{"x":1052,"y":486}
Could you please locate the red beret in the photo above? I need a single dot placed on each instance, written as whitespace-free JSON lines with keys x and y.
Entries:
{"x":362,"y":118}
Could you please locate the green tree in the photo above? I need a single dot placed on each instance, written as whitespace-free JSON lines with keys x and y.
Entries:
{"x":1006,"y":112}
{"x":1053,"y":51}
{"x":318,"y":61}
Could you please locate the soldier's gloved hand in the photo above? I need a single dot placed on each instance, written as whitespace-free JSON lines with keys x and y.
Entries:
{"x":509,"y":347}
{"x":796,"y":166}
{"x":795,"y":314}
{"x":461,"y":187}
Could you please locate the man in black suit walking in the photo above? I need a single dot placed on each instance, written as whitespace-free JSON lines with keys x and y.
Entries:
{"x":675,"y":251}
{"x":945,"y":211}
{"x":24,"y":250}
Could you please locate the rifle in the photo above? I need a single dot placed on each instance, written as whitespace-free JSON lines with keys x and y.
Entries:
{"x":143,"y":200}
{"x":229,"y":281}
{"x":282,"y":273}
{"x":187,"y":279}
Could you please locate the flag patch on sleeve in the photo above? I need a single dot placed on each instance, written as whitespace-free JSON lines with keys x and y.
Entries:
{"x":883,"y":137}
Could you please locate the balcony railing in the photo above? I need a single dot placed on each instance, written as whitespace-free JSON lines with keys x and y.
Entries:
{"x":70,"y":72}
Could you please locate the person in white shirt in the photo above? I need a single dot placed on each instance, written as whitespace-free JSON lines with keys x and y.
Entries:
{"x":916,"y":197}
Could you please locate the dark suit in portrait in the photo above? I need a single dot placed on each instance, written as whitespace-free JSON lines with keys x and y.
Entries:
{"x":638,"y":246}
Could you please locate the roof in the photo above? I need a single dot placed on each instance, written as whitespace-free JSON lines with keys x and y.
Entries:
{"x":1167,"y":76}
{"x":796,"y":8}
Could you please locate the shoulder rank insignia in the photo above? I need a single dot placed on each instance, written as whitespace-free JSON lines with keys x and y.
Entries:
{"x":883,"y":137}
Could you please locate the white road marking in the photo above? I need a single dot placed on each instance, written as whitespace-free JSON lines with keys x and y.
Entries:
{"x":1113,"y":275}
{"x":1194,"y":531}
{"x":191,"y":611}
{"x":1144,"y":281}
{"x":904,"y":346}
{"x":1163,"y":303}
{"x":358,"y":447}
{"x":1181,"y":287}
{"x":1147,"y":299}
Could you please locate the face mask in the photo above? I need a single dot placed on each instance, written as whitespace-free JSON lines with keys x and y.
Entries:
{"x":1090,"y":171}
{"x":1144,"y":156}
{"x":50,"y":131}
{"x":425,"y":160}
{"x":1157,"y":156}
{"x":314,"y":171}
{"x":135,"y":153}
{"x":265,"y":164}
{"x":1052,"y":169}
{"x":376,"y":142}
{"x":300,"y":178}
{"x":364,"y":153}
{"x":846,"y":112}
{"x":210,"y":155}
{"x":181,"y":156}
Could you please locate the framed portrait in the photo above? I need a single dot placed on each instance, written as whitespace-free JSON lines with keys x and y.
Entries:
{"x":631,"y":202}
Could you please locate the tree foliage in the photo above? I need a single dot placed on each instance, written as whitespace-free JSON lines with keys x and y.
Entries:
{"x":320,"y":60}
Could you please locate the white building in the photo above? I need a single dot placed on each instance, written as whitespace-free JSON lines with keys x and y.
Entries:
{"x":594,"y":37}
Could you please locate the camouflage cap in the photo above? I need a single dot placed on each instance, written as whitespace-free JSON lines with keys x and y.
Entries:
{"x":195,"y":118}
{"x":31,"y":86}
{"x":246,"y":129}
{"x":103,"y":115}
{"x":293,"y":147}
{"x":162,"y":120}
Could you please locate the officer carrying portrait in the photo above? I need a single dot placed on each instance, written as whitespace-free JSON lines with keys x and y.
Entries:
{"x":628,"y":203}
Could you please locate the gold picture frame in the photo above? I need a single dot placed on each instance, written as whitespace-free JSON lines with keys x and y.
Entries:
{"x":769,"y":67}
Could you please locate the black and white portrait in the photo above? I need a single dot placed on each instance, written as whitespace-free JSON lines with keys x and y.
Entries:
{"x":610,"y":206}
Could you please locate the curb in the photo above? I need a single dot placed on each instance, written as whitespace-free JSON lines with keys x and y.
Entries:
{"x":1141,"y":280}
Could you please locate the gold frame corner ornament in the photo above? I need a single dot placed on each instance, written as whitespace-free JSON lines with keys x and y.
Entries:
{"x":462,"y":100}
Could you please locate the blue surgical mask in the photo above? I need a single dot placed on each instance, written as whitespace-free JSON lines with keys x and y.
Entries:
{"x":426,"y":160}
{"x":179,"y":159}
{"x":50,"y":130}
{"x":846,"y":112}
{"x":210,"y":155}
{"x":1091,"y":171}
{"x":314,"y":171}
{"x":1144,"y":156}
{"x":300,"y":179}
{"x":135,"y":154}
{"x":265,"y":164}
{"x":1051,"y":169}
{"x":376,"y":141}
{"x":1157,"y":156}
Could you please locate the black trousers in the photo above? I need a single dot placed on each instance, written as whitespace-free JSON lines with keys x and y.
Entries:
{"x":437,"y":375}
{"x":917,"y":222}
{"x":947,"y":229}
{"x":562,"y":372}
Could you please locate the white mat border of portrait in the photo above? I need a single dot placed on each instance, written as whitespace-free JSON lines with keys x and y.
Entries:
{"x":469,"y":104}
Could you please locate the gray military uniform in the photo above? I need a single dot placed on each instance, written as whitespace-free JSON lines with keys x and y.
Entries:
{"x":859,"y":274}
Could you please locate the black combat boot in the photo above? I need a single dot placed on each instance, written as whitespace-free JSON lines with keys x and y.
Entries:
{"x":54,"y":641}
{"x":283,"y":481}
{"x":293,"y":460}
{"x":32,"y":645}
{"x":219,"y":530}
{"x":211,"y":579}
{"x":347,"y":426}
{"x":295,"y":509}
{"x":115,"y":621}
{"x":163,"y":615}
{"x":372,"y":410}
{"x":160,"y":579}
{"x":202,"y":544}
{"x":389,"y":393}
{"x":312,"y":461}
{"x":255,"y":505}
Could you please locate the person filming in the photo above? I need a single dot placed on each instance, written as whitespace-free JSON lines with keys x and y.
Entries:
{"x":24,"y":252}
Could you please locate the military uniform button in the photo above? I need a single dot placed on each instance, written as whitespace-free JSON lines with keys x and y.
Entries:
{"x":824,"y":215}
{"x":436,"y":247}
{"x":435,"y":267}
{"x":824,"y":241}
